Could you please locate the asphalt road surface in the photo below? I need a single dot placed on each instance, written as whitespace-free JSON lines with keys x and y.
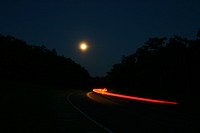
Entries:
{"x":119,"y":115}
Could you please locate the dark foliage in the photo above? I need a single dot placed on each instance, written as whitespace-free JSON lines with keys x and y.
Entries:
{"x":37,"y":64}
{"x":161,"y":67}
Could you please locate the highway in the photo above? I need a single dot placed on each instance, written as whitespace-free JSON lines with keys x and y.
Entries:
{"x":118,"y":115}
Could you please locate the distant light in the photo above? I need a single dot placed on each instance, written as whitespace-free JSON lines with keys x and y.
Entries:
{"x":83,"y":46}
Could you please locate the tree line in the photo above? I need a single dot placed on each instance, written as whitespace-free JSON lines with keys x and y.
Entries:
{"x":161,"y":67}
{"x":22,"y":62}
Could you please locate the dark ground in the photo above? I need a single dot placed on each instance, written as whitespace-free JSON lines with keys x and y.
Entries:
{"x":130,"y":116}
{"x":33,"y":108}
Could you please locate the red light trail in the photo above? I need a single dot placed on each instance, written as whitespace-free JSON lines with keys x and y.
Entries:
{"x":104,"y":92}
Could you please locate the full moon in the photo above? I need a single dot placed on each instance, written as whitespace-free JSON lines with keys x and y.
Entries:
{"x":83,"y":46}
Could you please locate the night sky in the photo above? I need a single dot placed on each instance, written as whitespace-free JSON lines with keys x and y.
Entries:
{"x":112,"y":28}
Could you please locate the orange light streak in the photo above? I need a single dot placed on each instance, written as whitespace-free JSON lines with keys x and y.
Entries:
{"x":104,"y":92}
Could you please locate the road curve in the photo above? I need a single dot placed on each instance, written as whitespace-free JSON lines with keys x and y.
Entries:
{"x":119,"y":115}
{"x":88,"y":117}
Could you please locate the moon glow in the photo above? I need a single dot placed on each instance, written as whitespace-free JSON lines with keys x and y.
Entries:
{"x":83,"y":46}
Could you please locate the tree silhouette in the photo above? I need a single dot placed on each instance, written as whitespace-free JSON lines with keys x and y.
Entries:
{"x":161,"y":67}
{"x":23,"y":62}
